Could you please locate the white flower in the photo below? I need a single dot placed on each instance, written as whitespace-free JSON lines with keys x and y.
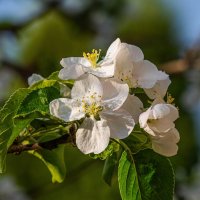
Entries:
{"x":99,"y":103}
{"x":159,"y":89}
{"x":158,"y":122}
{"x":34,"y":78}
{"x":158,"y":118}
{"x":166,"y":143}
{"x":74,"y":67}
{"x":134,"y":70}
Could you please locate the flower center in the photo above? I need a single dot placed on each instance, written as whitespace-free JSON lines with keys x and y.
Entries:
{"x":127,"y":77}
{"x":92,"y":109}
{"x":92,"y":57}
{"x":91,"y":105}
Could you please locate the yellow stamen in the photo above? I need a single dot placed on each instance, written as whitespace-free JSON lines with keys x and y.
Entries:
{"x":170,"y":99}
{"x":92,"y":109}
{"x":92,"y":57}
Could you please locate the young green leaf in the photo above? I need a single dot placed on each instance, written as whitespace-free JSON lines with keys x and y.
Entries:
{"x":54,"y":160}
{"x":128,"y":179}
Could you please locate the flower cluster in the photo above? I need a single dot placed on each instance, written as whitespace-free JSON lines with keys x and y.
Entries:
{"x":103,"y":97}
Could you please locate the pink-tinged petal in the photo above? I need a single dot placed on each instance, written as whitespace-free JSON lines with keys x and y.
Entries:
{"x":147,"y":74}
{"x":115,"y":93}
{"x":159,"y":89}
{"x":93,"y":136}
{"x":166,"y":144}
{"x":89,"y":85}
{"x":66,"y":109}
{"x":120,"y":123}
{"x":134,"y":106}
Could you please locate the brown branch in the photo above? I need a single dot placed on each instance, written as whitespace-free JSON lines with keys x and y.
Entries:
{"x":52,"y":144}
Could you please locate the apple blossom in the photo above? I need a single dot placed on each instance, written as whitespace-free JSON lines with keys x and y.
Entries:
{"x":100,"y":104}
{"x":134,"y":70}
{"x":75,"y":67}
{"x":158,"y":118}
{"x":158,"y":122}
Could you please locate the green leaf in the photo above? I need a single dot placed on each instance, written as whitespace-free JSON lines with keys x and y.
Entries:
{"x":54,"y":160}
{"x":38,"y":101}
{"x":12,"y":104}
{"x":137,"y":142}
{"x":54,"y":76}
{"x":150,"y":177}
{"x":19,"y":124}
{"x":7,"y":114}
{"x":44,"y":84}
{"x":21,"y":108}
{"x":109,"y":168}
{"x":156,"y":175}
{"x":128,"y":180}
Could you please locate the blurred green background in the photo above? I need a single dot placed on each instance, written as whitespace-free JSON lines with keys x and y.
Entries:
{"x":35,"y":35}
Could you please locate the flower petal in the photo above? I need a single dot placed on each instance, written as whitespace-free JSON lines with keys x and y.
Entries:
{"x":93,"y":136}
{"x":144,"y":117}
{"x":89,"y":85}
{"x":115,"y":93}
{"x":66,"y":109}
{"x":159,"y":89}
{"x":105,"y":69}
{"x":71,"y":72}
{"x":113,"y":49}
{"x":64,"y":90}
{"x":120,"y":123}
{"x":146,"y":74}
{"x":34,"y":78}
{"x":72,"y":61}
{"x":159,"y":111}
{"x":166,"y":145}
{"x":131,"y":52}
{"x":134,"y":106}
{"x":161,"y":125}
{"x":174,"y":114}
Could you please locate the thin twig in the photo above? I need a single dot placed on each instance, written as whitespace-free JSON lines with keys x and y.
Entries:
{"x":52,"y":144}
{"x":17,"y":148}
